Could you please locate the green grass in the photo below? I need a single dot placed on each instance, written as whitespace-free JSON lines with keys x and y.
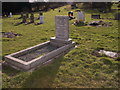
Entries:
{"x":77,"y":69}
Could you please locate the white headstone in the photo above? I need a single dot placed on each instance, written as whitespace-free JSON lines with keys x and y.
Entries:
{"x":80,"y":16}
{"x":62,"y":27}
{"x":41,"y":19}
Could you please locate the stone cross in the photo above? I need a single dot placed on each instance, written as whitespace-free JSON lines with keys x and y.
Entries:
{"x":62,"y":27}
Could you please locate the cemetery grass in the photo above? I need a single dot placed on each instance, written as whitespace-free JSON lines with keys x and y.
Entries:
{"x":78,"y":68}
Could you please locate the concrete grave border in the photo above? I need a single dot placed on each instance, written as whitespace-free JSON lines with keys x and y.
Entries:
{"x":33,"y":64}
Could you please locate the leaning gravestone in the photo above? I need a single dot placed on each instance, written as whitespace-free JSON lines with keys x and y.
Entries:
{"x":62,"y":31}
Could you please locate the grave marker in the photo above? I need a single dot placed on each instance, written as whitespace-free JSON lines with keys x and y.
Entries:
{"x":62,"y":27}
{"x":62,"y":31}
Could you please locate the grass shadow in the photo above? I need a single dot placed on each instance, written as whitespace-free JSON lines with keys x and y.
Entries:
{"x":9,"y":70}
{"x":43,"y":77}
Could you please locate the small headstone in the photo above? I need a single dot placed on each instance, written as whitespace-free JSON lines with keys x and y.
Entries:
{"x":80,"y":17}
{"x":62,"y":27}
{"x":10,"y":14}
{"x":32,"y":18}
{"x":41,"y":18}
{"x":117,"y":16}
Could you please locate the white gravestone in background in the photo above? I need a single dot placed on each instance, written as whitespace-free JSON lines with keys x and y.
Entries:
{"x":41,"y":19}
{"x":62,"y":27}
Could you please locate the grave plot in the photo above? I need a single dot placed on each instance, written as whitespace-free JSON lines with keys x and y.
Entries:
{"x":33,"y":57}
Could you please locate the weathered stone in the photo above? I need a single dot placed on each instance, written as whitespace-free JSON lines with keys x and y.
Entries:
{"x":108,"y":53}
{"x":62,"y":27}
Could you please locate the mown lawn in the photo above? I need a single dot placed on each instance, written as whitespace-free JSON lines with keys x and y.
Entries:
{"x":77,"y":69}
